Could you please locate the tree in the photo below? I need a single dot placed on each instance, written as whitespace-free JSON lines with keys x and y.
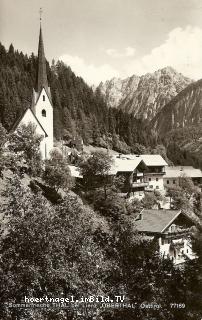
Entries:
{"x":3,"y":138}
{"x":193,"y":276}
{"x":109,"y":204}
{"x":134,"y":207}
{"x":177,"y":197}
{"x":182,"y":195}
{"x":96,"y":171}
{"x":149,"y":200}
{"x":49,"y":251}
{"x":57,"y":173}
{"x":187,"y":186}
{"x":24,"y":149}
{"x":139,"y":149}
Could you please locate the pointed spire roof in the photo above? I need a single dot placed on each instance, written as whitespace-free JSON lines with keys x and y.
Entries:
{"x":42,"y":81}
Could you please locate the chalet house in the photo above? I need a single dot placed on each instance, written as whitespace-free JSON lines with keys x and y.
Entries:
{"x":141,"y":173}
{"x":173,"y":174}
{"x":171,"y":229}
{"x":156,"y":167}
{"x":40,"y":113}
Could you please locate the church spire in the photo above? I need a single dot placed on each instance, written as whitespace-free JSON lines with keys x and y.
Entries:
{"x":42,"y":75}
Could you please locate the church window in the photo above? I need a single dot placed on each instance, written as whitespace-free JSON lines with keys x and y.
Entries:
{"x":43,"y":98}
{"x":43,"y":113}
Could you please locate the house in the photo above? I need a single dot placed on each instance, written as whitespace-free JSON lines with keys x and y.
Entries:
{"x":173,"y":174}
{"x":172,"y":231}
{"x":40,"y":113}
{"x":156,"y":166}
{"x":141,"y":173}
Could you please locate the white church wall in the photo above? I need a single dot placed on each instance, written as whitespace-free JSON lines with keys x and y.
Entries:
{"x":44,"y":113}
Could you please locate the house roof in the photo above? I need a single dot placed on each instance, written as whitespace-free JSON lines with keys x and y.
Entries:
{"x":129,"y":162}
{"x":124,"y":165}
{"x":38,"y":94}
{"x":156,"y":221}
{"x":18,"y":120}
{"x":153,"y":160}
{"x":178,"y":171}
{"x":16,"y":124}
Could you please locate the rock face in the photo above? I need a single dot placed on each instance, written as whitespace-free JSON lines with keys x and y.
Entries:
{"x":185,"y":110}
{"x":146,"y":95}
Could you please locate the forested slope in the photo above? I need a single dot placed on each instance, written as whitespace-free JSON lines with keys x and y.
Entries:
{"x":78,"y":111}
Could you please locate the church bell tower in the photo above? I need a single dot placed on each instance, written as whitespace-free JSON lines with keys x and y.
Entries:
{"x":42,"y":101}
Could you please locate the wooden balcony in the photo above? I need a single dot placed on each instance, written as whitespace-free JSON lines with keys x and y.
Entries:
{"x":179,"y":233}
{"x":160,"y":173}
{"x":140,"y":184}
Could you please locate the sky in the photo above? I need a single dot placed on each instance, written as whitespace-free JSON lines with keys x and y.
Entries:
{"x":102,"y":39}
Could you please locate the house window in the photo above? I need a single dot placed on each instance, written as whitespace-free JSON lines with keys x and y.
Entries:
{"x":172,"y":228}
{"x":165,"y":241}
{"x":149,"y":179}
{"x":173,"y":181}
{"x":157,"y":179}
{"x":43,"y":113}
{"x":157,"y":187}
{"x":167,"y":181}
{"x":151,"y":187}
{"x":43,"y":98}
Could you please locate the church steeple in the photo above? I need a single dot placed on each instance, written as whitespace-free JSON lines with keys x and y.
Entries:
{"x":42,"y":81}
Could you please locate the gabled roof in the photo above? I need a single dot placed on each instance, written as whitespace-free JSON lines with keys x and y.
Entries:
{"x":156,"y":221}
{"x":153,"y":160}
{"x":17,"y":122}
{"x":129,"y":162}
{"x":124,"y":165}
{"x":39,"y":93}
{"x":179,"y":171}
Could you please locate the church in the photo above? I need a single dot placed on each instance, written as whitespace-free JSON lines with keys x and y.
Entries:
{"x":40,"y":113}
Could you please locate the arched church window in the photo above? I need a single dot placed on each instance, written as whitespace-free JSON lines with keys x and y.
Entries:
{"x":43,"y":98}
{"x":43,"y":113}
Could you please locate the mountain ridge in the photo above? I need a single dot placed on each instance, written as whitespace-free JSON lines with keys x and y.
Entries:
{"x":185,"y":109}
{"x":144,"y":96}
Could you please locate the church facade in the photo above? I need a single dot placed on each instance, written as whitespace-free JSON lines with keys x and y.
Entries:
{"x":40,"y":113}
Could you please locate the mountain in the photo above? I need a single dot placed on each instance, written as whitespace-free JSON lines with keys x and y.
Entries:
{"x":179,"y":126}
{"x":182,"y":111}
{"x":144,"y":96}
